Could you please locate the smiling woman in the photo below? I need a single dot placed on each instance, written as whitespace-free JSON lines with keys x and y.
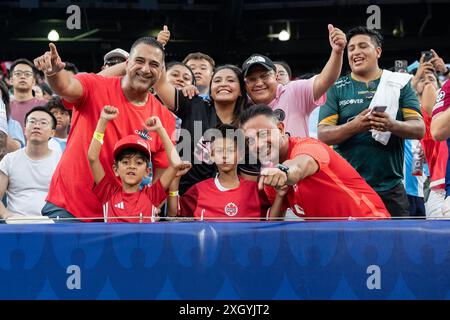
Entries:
{"x":227,"y":100}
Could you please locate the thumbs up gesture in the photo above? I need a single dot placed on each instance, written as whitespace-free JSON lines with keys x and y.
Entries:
{"x":338,"y":40}
{"x":163,"y":36}
{"x":50,"y":62}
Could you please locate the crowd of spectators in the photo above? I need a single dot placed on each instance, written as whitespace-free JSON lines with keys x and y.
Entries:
{"x":145,"y":139}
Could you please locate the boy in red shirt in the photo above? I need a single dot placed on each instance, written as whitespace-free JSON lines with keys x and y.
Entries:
{"x":228,"y":196}
{"x":322,"y":183}
{"x":124,"y":202}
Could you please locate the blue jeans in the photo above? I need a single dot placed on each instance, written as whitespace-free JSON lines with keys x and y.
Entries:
{"x":56,"y":213}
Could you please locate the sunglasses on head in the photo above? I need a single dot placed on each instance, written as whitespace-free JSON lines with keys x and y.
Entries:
{"x":113,"y":62}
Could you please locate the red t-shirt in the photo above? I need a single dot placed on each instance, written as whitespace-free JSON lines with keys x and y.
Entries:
{"x":442,"y":105}
{"x":336,"y":190}
{"x":128,"y":207}
{"x":72,"y":182}
{"x":436,"y":154}
{"x":205,"y":201}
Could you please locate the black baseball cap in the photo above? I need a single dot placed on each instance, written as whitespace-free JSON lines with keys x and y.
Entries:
{"x":257,"y":59}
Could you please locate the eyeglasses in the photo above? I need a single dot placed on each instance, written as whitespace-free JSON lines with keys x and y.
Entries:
{"x":41,"y":122}
{"x":18,"y":74}
{"x":264,"y":77}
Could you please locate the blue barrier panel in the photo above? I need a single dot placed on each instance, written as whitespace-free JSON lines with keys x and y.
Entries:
{"x":199,"y":260}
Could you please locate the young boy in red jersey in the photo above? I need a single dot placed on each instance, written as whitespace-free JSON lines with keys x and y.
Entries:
{"x":227,"y":196}
{"x":124,"y":202}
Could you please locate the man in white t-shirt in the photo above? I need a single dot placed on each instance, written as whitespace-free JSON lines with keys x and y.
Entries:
{"x":26,"y":173}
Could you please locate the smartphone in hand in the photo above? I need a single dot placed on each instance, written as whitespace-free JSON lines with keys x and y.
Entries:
{"x":379,"y":108}
{"x":427,"y":55}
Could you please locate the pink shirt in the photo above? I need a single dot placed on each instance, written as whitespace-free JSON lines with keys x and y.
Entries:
{"x":20,"y":108}
{"x":296,"y":100}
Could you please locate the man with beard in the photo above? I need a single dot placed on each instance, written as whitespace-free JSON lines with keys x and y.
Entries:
{"x":70,"y":194}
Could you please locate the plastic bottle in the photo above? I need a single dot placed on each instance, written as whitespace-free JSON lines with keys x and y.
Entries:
{"x":417,"y":162}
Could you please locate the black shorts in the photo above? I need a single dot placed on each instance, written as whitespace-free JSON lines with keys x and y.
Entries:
{"x":396,"y":201}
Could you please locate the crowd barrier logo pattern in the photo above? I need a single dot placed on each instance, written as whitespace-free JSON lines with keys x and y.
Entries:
{"x":200,"y":260}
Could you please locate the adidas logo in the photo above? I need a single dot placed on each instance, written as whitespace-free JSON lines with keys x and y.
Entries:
{"x":119,"y":205}
{"x":144,"y":134}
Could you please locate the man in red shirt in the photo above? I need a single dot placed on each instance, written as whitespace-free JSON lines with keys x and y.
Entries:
{"x":70,"y":194}
{"x":227,"y":197}
{"x":323,"y":183}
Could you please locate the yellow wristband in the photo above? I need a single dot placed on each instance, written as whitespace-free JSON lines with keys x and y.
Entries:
{"x":98,"y":136}
{"x":173,"y":193}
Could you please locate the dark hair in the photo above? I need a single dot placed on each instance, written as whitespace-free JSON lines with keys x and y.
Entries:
{"x":258,"y":110}
{"x":5,"y":97}
{"x":225,"y":131}
{"x":285,"y":66}
{"x":43,"y":109}
{"x":241,"y":101}
{"x":148,"y":41}
{"x":129,"y":153}
{"x":22,"y":61}
{"x":375,"y":36}
{"x":177,"y":63}
{"x":56,"y":103}
{"x":438,"y":81}
{"x":45,"y":88}
{"x":71,"y":67}
{"x":199,"y":56}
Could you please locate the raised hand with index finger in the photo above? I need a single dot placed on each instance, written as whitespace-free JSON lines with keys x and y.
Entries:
{"x":50,"y":62}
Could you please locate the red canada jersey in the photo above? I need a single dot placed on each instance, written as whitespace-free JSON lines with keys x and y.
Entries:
{"x":336,"y":190}
{"x":204,"y":201}
{"x":72,"y":182}
{"x":119,"y":206}
{"x":436,"y":154}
